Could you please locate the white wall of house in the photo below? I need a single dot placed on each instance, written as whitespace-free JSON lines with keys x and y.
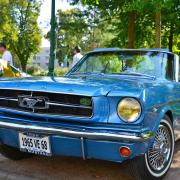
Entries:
{"x":42,"y":59}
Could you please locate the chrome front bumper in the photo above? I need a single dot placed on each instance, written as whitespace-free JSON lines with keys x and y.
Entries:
{"x":79,"y":134}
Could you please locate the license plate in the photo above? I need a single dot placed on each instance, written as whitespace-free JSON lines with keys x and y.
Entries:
{"x":33,"y":143}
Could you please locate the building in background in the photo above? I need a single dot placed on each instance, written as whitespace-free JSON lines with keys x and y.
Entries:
{"x":42,"y":59}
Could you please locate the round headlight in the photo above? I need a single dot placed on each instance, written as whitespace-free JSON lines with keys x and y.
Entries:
{"x":129,"y":110}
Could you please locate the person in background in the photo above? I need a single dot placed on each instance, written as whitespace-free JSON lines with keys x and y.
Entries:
{"x":6,"y":55}
{"x":77,"y":55}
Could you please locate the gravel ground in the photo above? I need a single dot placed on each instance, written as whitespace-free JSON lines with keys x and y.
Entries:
{"x":63,"y":168}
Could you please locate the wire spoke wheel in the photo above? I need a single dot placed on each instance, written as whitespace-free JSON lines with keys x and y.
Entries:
{"x":156,"y":162}
{"x":160,"y":152}
{"x":159,"y":157}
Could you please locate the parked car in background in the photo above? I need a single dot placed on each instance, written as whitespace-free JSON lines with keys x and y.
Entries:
{"x":114,"y":105}
{"x":7,"y":70}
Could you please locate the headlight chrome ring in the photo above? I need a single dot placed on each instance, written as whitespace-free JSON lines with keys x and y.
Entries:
{"x":129,"y":110}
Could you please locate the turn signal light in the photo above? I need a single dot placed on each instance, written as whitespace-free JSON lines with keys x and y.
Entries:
{"x":125,"y":151}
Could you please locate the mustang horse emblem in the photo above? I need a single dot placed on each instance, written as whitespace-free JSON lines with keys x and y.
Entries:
{"x":33,"y":102}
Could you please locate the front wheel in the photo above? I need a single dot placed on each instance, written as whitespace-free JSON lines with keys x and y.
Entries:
{"x":156,"y":162}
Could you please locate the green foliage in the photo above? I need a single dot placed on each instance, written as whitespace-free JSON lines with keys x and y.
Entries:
{"x":80,"y":27}
{"x":70,"y":31}
{"x":60,"y":71}
{"x":93,"y":2}
{"x":19,"y":28}
{"x":37,"y":71}
{"x":117,"y":12}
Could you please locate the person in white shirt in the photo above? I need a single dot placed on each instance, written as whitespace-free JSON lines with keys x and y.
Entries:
{"x":6,"y":55}
{"x":77,"y":56}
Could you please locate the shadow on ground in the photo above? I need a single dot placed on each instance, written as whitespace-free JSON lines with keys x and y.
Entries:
{"x":177,"y":147}
{"x":174,"y":172}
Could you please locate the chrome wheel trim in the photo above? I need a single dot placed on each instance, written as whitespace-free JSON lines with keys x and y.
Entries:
{"x":160,"y":152}
{"x":158,"y":170}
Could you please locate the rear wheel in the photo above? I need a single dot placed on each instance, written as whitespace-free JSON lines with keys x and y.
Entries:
{"x":13,"y":153}
{"x":156,"y":162}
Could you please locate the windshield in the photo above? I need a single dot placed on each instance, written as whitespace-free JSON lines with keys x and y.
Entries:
{"x":155,"y":64}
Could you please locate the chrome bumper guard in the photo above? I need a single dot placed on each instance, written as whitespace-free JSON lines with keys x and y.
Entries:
{"x":78,"y":134}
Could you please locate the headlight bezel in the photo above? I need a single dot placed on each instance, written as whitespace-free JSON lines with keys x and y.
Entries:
{"x":126,"y":120}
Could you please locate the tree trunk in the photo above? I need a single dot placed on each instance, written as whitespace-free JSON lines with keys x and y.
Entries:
{"x":131,"y":29}
{"x":171,"y":39}
{"x":23,"y":60}
{"x":23,"y":66}
{"x":158,"y":29}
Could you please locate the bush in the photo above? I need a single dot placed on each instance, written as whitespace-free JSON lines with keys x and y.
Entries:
{"x":37,"y":71}
{"x":60,"y":71}
{"x":32,"y":70}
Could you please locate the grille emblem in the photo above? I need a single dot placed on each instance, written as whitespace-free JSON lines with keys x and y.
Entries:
{"x":33,"y":103}
{"x":85,"y":101}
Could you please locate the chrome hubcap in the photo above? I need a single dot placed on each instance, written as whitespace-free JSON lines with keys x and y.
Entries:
{"x":160,"y":152}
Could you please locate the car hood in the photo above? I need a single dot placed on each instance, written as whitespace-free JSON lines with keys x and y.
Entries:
{"x":89,"y":86}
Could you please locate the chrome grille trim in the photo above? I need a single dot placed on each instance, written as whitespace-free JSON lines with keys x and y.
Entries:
{"x":59,"y":104}
{"x":8,"y":99}
{"x":52,"y":103}
{"x":39,"y":115}
{"x":69,"y":105}
{"x":60,"y":92}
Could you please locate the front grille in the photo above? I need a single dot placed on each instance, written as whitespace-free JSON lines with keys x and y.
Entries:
{"x":58,"y":104}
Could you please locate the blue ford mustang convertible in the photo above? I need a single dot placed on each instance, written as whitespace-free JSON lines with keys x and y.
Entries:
{"x":114,"y":105}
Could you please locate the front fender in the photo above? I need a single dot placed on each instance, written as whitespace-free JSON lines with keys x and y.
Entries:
{"x":161,"y":113}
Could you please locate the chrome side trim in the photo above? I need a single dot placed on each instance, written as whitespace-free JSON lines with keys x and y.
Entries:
{"x":77,"y":134}
{"x":176,"y":64}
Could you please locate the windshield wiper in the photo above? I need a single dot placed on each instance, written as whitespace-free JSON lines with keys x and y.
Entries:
{"x":136,"y":74}
{"x":123,"y":73}
{"x":86,"y":73}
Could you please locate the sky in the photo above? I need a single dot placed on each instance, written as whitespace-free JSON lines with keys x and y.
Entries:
{"x":45,"y":15}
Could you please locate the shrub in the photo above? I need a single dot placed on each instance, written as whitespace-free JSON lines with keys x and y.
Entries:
{"x":37,"y":71}
{"x":33,"y":70}
{"x":60,"y":71}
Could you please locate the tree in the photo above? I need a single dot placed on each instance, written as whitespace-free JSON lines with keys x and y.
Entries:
{"x":80,"y":27}
{"x":8,"y":31}
{"x":171,"y":26}
{"x":70,"y":31}
{"x":23,"y":34}
{"x":131,"y":28}
{"x":158,"y":29}
{"x":140,"y":23}
{"x":117,"y":8}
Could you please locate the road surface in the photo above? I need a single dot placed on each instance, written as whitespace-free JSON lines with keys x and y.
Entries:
{"x":63,"y":168}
